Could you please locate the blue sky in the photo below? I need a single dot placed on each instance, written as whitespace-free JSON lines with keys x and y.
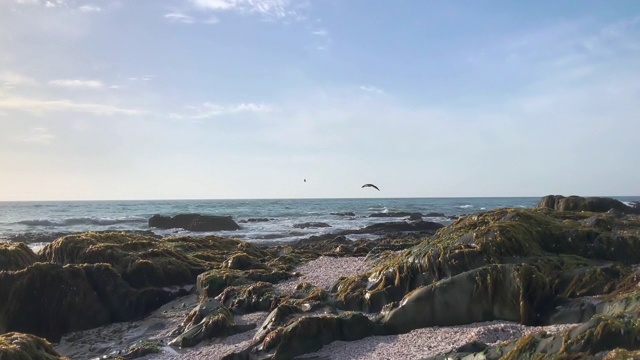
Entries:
{"x":179,"y":99}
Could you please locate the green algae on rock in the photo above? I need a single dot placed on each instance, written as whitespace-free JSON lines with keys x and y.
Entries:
{"x":146,"y":261}
{"x":208,"y":320}
{"x":505,"y":236}
{"x":49,"y":300}
{"x":18,"y":346}
{"x":16,"y":256}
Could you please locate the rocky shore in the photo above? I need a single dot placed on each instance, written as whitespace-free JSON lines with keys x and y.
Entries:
{"x":557,"y":281}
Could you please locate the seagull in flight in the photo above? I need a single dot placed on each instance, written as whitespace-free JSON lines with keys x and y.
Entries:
{"x":370,"y":185}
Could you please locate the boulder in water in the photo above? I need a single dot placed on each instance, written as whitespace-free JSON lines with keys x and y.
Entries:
{"x":578,"y":203}
{"x":194,"y":222}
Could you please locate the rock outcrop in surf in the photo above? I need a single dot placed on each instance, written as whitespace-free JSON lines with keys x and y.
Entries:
{"x":194,"y":222}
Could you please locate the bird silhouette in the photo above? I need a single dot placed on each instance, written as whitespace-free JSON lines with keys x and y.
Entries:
{"x":370,"y":185}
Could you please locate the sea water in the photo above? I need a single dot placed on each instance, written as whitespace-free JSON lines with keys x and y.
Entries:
{"x":75,"y":216}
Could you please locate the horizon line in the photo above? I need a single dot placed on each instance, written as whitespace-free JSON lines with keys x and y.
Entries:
{"x":320,"y":198}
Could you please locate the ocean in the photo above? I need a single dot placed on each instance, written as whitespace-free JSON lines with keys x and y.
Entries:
{"x":18,"y":218}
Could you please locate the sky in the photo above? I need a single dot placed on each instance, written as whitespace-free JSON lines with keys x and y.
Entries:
{"x":219,"y":99}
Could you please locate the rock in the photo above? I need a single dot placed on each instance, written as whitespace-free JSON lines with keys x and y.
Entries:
{"x":344,"y":214}
{"x":209,"y":320}
{"x":34,"y":237}
{"x":28,"y":347}
{"x":139,"y":350}
{"x":396,"y":214}
{"x":49,"y":300}
{"x":242,"y":261}
{"x":435,"y":214}
{"x":415,"y":217}
{"x":499,"y":292}
{"x":194,"y":222}
{"x":307,"y":334}
{"x":146,"y":261}
{"x":577,"y":203}
{"x":343,"y":250}
{"x":311,"y":225}
{"x":16,"y":256}
{"x":602,"y":334}
{"x":542,"y":238}
{"x":213,"y":282}
{"x":402,"y":226}
{"x":248,"y":298}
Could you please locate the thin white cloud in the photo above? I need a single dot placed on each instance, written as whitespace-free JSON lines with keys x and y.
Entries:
{"x":176,"y":17}
{"x":211,"y":110}
{"x":141,"y":78}
{"x":371,"y":89}
{"x":212,"y":20}
{"x":275,"y":9}
{"x":11,"y":79}
{"x":90,"y":8}
{"x":45,"y":3}
{"x":320,"y":32}
{"x":39,"y":135}
{"x":38,"y":106}
{"x":75,"y":83}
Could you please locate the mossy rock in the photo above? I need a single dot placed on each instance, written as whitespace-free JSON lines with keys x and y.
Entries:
{"x":622,"y":354}
{"x":146,"y":261}
{"x":307,"y":334}
{"x":213,"y":282}
{"x":579,"y":203}
{"x":141,"y":349}
{"x":349,"y":293}
{"x":16,"y":256}
{"x":18,"y":346}
{"x":249,"y":298}
{"x":602,"y":337}
{"x":49,"y":300}
{"x":507,"y":235}
{"x":242,"y":261}
{"x":209,"y":320}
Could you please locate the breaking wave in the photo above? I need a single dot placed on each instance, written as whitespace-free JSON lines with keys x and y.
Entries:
{"x":82,"y":221}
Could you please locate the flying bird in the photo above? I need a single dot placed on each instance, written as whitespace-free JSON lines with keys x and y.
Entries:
{"x":370,"y":185}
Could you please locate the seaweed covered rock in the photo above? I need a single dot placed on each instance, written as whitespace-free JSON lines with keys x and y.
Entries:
{"x":602,"y":337}
{"x":16,"y":256}
{"x":498,"y":292}
{"x":242,"y":261}
{"x":578,"y":203}
{"x":308,"y":334}
{"x":17,"y":346}
{"x":561,"y":240}
{"x":49,"y":300}
{"x":146,"y":261}
{"x":213,"y":282}
{"x":419,"y":225}
{"x":194,"y":222}
{"x":311,"y":224}
{"x":249,"y":298}
{"x":208,"y":320}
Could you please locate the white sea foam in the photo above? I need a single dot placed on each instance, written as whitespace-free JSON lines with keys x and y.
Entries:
{"x":82,"y":221}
